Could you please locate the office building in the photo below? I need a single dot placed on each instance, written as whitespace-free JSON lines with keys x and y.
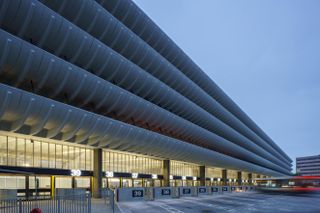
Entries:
{"x":308,"y":166}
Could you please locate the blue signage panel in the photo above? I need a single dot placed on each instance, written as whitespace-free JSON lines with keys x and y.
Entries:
{"x":137,"y":193}
{"x":202,"y":190}
{"x":233,"y":188}
{"x":215,"y":189}
{"x":225,"y":189}
{"x":165,"y":191}
{"x":186,"y":191}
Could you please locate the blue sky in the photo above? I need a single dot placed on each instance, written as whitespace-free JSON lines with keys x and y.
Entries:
{"x":264,"y":54}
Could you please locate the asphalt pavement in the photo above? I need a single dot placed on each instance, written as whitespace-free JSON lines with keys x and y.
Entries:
{"x":247,"y":202}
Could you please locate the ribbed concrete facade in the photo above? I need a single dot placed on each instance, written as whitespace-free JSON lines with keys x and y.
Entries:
{"x":101,"y":73}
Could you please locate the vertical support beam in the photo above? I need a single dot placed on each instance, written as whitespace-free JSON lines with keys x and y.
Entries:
{"x":250,"y":178}
{"x":27,"y":186}
{"x":239,"y":178}
{"x":202,"y":175}
{"x":53,"y":183}
{"x":74,"y":182}
{"x":97,"y":172}
{"x":166,"y":173}
{"x":224,"y":177}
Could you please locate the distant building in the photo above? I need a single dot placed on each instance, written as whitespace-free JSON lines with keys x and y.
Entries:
{"x":309,"y":165}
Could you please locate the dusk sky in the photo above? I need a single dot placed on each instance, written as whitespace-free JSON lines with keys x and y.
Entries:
{"x":264,"y":54}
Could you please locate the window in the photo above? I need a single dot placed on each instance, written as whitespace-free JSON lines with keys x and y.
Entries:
{"x":58,"y":156}
{"x":52,"y":155}
{"x":130,"y":163}
{"x":29,"y":153}
{"x":12,"y":150}
{"x":44,"y":155}
{"x":184,"y":169}
{"x":21,"y":154}
{"x":3,"y":150}
{"x":37,"y":154}
{"x":18,"y":151}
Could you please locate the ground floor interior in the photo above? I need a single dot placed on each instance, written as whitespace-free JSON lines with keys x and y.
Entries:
{"x":39,"y":166}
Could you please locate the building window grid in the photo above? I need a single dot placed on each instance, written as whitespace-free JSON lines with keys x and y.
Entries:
{"x":34,"y":153}
{"x":213,"y":172}
{"x":130,"y":163}
{"x":184,"y":169}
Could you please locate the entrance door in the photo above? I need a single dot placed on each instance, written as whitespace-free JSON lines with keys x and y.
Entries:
{"x":147,"y":183}
{"x":13,"y":182}
{"x":126,"y":182}
{"x":157,"y":183}
{"x":113,"y":183}
{"x":82,"y":182}
{"x":63,"y":182}
{"x":137,"y":182}
{"x":40,"y":185}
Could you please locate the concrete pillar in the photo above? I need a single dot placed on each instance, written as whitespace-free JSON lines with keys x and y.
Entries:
{"x":224,"y":177}
{"x":202,"y":175}
{"x":250,"y":178}
{"x":97,"y":173}
{"x":74,"y":182}
{"x":166,"y":173}
{"x":239,"y":178}
{"x":27,"y":185}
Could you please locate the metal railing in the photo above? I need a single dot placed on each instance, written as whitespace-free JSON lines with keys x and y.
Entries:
{"x":59,"y":204}
{"x":108,"y":196}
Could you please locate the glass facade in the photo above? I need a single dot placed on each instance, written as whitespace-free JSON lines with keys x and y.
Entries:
{"x":184,"y":169}
{"x":18,"y":151}
{"x":232,"y":174}
{"x":12,"y":182}
{"x":130,"y":163}
{"x":213,"y":172}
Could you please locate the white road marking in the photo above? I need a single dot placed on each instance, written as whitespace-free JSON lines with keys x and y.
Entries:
{"x":168,"y":208}
{"x":120,"y":209}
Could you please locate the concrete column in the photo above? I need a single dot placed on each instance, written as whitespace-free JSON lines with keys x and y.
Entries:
{"x":27,"y":185}
{"x":250,"y":178}
{"x":97,"y":173}
{"x":166,"y":173}
{"x":202,"y":175}
{"x":239,"y":178}
{"x":74,"y":182}
{"x":224,"y":177}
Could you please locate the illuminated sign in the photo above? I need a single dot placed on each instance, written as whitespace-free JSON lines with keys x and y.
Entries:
{"x":219,"y":179}
{"x":171,"y":177}
{"x":184,"y":178}
{"x":75,"y":172}
{"x":215,"y":189}
{"x":186,"y":191}
{"x":194,"y":178}
{"x":165,"y":191}
{"x":154,"y":176}
{"x":202,"y":190}
{"x":135,"y":175}
{"x":109,"y":174}
{"x":211,"y":179}
{"x":137,"y":193}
